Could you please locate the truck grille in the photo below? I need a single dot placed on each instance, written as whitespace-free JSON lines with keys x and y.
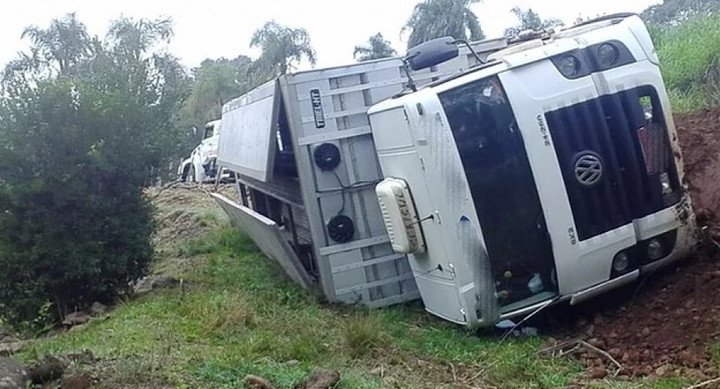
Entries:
{"x":634,"y":154}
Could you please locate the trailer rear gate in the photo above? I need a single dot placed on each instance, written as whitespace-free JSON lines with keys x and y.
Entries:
{"x":291,"y":117}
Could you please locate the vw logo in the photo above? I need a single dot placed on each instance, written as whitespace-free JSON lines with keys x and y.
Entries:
{"x":588,"y":168}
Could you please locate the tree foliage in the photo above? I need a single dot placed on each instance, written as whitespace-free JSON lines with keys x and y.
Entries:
{"x":675,"y":12}
{"x":282,"y":48}
{"x":530,"y":20}
{"x":376,"y":48}
{"x":432,"y":19}
{"x":84,"y":124}
{"x":215,"y":82}
{"x":59,"y":47}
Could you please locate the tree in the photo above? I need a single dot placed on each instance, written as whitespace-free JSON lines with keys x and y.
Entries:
{"x":215,"y":82}
{"x":131,"y":39}
{"x":376,"y":48}
{"x":59,"y":47}
{"x":530,"y":20}
{"x":675,"y":12}
{"x":282,"y":47}
{"x":81,"y":132}
{"x":438,"y":18}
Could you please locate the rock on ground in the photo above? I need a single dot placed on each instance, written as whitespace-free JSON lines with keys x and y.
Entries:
{"x":78,"y":381}
{"x":149,"y":283}
{"x":46,"y":370}
{"x":7,"y":349}
{"x":98,"y":308}
{"x":321,"y":379}
{"x":12,"y":374}
{"x":76,"y":318}
{"x":256,"y":382}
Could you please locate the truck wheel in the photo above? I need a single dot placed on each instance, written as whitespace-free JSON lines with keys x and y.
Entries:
{"x":184,"y":175}
{"x":191,"y":174}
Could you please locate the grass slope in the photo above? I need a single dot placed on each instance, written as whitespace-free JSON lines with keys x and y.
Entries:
{"x":690,"y":61}
{"x":238,"y":315}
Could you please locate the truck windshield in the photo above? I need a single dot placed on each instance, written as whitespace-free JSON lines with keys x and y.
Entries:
{"x":209,"y":131}
{"x":503,"y":189}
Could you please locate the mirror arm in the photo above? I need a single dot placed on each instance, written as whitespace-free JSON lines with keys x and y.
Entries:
{"x":466,"y":43}
{"x":406,"y":67}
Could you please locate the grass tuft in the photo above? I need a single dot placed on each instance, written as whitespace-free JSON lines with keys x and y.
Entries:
{"x":362,"y":333}
{"x":227,"y":312}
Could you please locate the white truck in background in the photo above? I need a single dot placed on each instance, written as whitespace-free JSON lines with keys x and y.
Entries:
{"x":201,"y":166}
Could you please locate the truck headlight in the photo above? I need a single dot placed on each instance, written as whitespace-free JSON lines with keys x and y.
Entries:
{"x":655,"y":249}
{"x":665,"y":182}
{"x":621,"y":262}
{"x":607,"y":55}
{"x":569,"y":66}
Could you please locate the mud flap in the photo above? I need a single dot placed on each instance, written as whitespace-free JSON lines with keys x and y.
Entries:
{"x":267,"y":236}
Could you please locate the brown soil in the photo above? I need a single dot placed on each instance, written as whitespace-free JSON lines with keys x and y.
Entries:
{"x":667,"y":328}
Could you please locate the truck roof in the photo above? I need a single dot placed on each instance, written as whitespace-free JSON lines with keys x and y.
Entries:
{"x":498,"y":58}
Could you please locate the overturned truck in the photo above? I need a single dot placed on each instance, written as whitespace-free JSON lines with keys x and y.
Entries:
{"x":489,"y":184}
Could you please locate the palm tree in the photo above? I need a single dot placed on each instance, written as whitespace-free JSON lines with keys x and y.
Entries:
{"x":376,"y":48}
{"x":438,"y":18}
{"x":282,"y":47}
{"x":133,"y":37}
{"x":60,"y":46}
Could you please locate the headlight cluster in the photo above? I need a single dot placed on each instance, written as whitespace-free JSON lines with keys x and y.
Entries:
{"x":607,"y":55}
{"x":654,"y":249}
{"x":569,"y":66}
{"x":621,"y":262}
{"x":595,"y":58}
{"x":644,"y":253}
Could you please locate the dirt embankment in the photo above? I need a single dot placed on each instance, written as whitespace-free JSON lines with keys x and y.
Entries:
{"x":184,"y":212}
{"x":700,"y":141}
{"x":672,"y":321}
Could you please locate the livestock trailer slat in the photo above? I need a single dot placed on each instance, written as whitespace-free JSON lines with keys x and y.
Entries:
{"x":358,"y":131}
{"x":375,"y":261}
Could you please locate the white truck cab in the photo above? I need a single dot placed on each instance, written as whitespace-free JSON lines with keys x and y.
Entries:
{"x":550,"y":173}
{"x":201,"y":166}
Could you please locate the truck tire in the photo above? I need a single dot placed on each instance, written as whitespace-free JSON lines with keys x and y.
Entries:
{"x":184,"y":175}
{"x":191,"y":174}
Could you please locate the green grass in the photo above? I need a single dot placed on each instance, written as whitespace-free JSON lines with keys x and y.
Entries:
{"x":237,"y":315}
{"x":690,"y":59}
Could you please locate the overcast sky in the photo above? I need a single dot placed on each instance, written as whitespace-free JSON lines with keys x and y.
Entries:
{"x":217,"y":28}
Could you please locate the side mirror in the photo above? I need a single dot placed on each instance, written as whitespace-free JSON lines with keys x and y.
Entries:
{"x":431,"y":53}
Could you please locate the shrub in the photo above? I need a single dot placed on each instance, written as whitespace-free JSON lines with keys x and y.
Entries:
{"x":80,"y":135}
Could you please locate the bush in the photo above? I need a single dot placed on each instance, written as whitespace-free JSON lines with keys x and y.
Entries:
{"x":79,"y":138}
